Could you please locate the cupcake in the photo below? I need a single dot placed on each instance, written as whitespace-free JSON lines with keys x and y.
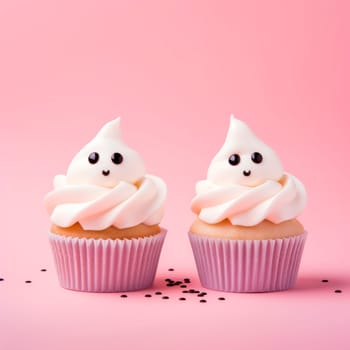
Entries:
{"x":105,"y":213}
{"x":246,"y":237}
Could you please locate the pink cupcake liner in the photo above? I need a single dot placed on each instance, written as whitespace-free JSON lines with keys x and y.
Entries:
{"x":247,"y":265}
{"x":106,"y":265}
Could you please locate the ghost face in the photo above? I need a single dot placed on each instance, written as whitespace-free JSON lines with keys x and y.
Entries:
{"x":105,"y":161}
{"x":244,"y":159}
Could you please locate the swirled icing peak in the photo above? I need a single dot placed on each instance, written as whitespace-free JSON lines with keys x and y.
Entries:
{"x":106,"y":185}
{"x":94,"y":160}
{"x":243,"y":143}
{"x":246,"y":183}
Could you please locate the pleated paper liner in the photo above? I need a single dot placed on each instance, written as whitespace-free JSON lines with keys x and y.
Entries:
{"x":98,"y":265}
{"x":247,"y":265}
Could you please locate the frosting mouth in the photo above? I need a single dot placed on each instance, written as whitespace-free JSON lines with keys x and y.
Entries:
{"x":105,"y":172}
{"x":246,"y":172}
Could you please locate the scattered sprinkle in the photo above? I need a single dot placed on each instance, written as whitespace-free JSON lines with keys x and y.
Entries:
{"x":324,"y":281}
{"x":338,"y":291}
{"x":193,"y":291}
{"x":182,"y":284}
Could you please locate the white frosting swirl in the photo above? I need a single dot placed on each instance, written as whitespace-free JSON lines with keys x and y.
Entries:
{"x":249,"y":189}
{"x":97,"y":207}
{"x":106,"y":185}
{"x":248,"y":206}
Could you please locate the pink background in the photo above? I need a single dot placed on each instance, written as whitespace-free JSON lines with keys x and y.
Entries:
{"x":174,"y":71}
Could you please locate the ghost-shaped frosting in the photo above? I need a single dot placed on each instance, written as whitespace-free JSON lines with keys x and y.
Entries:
{"x":244,"y":159}
{"x":246,"y":183}
{"x":106,"y":160}
{"x":106,"y":185}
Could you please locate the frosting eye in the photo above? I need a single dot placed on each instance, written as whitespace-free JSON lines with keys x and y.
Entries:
{"x":257,"y":157}
{"x":234,"y":159}
{"x":117,"y":158}
{"x":94,"y":157}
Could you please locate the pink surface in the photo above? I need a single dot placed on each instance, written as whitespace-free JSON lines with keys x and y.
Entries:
{"x":247,"y":266}
{"x":174,"y":71}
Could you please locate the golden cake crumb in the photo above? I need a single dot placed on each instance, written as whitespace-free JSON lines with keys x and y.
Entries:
{"x":139,"y":231}
{"x":264,"y":230}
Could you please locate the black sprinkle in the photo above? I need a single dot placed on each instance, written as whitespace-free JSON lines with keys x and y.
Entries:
{"x":158,"y":293}
{"x":185,"y":291}
{"x":182,"y":298}
{"x":43,"y":270}
{"x":123,"y":296}
{"x":324,"y":281}
{"x":177,"y":283}
{"x":187,"y":280}
{"x":1,"y":279}
{"x":338,"y":291}
{"x":193,"y":291}
{"x":202,"y":301}
{"x":148,"y":296}
{"x":203,"y":294}
{"x":170,"y":285}
{"x":171,"y":269}
{"x":165,"y":297}
{"x":221,"y":298}
{"x":183,"y":286}
{"x":28,"y":281}
{"x":168,"y":280}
